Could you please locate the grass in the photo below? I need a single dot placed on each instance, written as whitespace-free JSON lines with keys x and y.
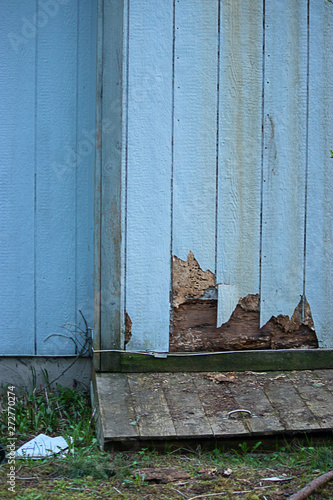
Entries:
{"x":88,"y":473}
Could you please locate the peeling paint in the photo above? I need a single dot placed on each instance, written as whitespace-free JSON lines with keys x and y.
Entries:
{"x":189,"y":281}
{"x":128,"y":328}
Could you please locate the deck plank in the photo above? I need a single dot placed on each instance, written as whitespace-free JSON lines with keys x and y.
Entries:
{"x":289,"y":406}
{"x":316,"y":396}
{"x":185,"y":406}
{"x":217,"y":402}
{"x":116,"y":407}
{"x":252,"y":397}
{"x":151,"y":409}
{"x":142,"y":407}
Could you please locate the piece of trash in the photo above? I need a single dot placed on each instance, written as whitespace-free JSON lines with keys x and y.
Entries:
{"x":42,"y":446}
{"x":227,"y":472}
{"x":239,"y":411}
{"x":277,"y":478}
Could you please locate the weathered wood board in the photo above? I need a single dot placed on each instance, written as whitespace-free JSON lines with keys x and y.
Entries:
{"x":150,"y":406}
{"x":240,"y":361}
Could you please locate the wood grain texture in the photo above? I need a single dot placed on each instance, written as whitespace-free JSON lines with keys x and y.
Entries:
{"x":217,"y":401}
{"x":284,"y":157}
{"x":319,"y":221}
{"x":151,"y":409}
{"x":290,"y":408}
{"x":17,"y":108}
{"x":195,"y":110}
{"x":314,"y":389}
{"x":146,"y":408}
{"x":116,"y":406}
{"x":148,"y":214}
{"x":185,"y":406}
{"x":112,"y":209}
{"x":252,"y":397}
{"x":239,"y":154}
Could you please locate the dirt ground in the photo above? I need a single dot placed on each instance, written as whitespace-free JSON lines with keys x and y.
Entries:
{"x":242,"y":474}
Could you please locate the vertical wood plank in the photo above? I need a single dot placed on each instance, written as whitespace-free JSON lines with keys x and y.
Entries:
{"x":17,"y":109}
{"x":284,"y":157}
{"x":319,"y":218}
{"x":97,"y":186}
{"x":57,"y":164}
{"x":149,"y":173}
{"x":195,"y":112}
{"x":111,"y":215}
{"x":86,"y":97}
{"x":239,"y":154}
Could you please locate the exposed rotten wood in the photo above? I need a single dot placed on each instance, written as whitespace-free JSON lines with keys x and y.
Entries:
{"x":194,"y":329}
{"x":188,"y":280}
{"x":128,"y":328}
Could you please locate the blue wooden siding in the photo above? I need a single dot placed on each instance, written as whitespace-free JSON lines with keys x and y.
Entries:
{"x":213,"y":137}
{"x":148,"y":172}
{"x":255,"y":206}
{"x":319,"y":213}
{"x":239,"y":154}
{"x":194,"y":131}
{"x":47,"y":134}
{"x":285,"y":157}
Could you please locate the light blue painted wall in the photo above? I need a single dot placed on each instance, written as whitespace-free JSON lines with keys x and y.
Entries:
{"x":47,"y":135}
{"x":204,"y":86}
{"x":257,"y":76}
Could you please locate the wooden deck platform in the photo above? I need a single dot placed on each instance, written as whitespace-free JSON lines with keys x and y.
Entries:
{"x":136,"y":408}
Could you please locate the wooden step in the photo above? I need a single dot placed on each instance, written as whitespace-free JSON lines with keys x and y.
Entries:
{"x":136,"y":408}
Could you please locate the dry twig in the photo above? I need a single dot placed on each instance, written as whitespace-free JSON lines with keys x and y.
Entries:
{"x":311,"y":487}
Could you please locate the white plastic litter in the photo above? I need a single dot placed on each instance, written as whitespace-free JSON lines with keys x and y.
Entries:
{"x":42,"y":446}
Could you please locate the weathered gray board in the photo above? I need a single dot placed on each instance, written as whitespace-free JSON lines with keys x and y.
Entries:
{"x":173,"y":406}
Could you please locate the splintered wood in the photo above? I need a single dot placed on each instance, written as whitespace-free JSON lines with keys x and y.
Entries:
{"x":166,"y":406}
